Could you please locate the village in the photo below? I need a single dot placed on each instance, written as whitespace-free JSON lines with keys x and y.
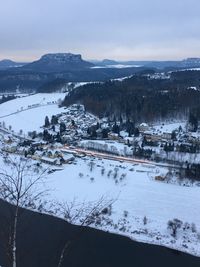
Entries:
{"x":172,"y":142}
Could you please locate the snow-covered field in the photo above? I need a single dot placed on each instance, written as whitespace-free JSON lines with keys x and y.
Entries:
{"x":28,"y":113}
{"x":135,"y":195}
{"x":169,"y":127}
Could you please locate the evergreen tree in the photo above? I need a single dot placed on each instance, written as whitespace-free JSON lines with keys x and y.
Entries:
{"x":105,"y":133}
{"x":193,"y":122}
{"x":54,"y":120}
{"x":94,"y":134}
{"x":115,"y":128}
{"x":46,"y":123}
{"x":173,"y":136}
{"x":62,"y":127}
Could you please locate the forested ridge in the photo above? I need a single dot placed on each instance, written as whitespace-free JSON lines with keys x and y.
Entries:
{"x":141,"y":98}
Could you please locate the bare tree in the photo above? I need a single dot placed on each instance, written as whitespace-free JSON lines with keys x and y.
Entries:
{"x":84,"y":214}
{"x":174,"y":225}
{"x":20,"y":185}
{"x":91,"y":165}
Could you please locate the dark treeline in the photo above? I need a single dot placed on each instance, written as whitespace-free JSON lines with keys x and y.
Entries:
{"x":52,"y":86}
{"x":140,"y":98}
{"x":42,"y":81}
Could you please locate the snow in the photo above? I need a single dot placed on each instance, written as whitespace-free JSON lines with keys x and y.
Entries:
{"x":107,"y":146}
{"x":132,"y":186}
{"x":138,"y":193}
{"x":117,"y":66}
{"x":28,"y":113}
{"x":192,"y":88}
{"x":23,"y":102}
{"x":25,"y":120}
{"x":169,"y":128}
{"x":134,"y":191}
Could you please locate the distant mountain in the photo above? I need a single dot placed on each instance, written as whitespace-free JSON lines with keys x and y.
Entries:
{"x":7,"y":63}
{"x":191,"y":62}
{"x":185,"y":63}
{"x":128,"y":64}
{"x":109,"y":62}
{"x":59,"y":62}
{"x":51,"y":71}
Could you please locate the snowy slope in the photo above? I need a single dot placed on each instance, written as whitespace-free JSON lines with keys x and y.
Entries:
{"x":138,"y":194}
{"x":32,"y":119}
{"x":28,"y":113}
{"x":23,"y":102}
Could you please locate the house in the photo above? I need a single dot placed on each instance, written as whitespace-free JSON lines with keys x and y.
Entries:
{"x":194,"y":138}
{"x":49,"y":161}
{"x":159,"y":178}
{"x":10,"y":149}
{"x":143,"y":127}
{"x":8,"y":141}
{"x":152,"y":137}
{"x":167,"y":135}
{"x":36,"y":157}
{"x":20,"y":150}
{"x":38,"y":145}
{"x":67,"y":159}
{"x":113,"y":136}
{"x":57,"y":154}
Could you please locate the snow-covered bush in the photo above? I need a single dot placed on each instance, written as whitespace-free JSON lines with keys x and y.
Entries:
{"x":145,"y":220}
{"x":174,"y":225}
{"x":80,"y":175}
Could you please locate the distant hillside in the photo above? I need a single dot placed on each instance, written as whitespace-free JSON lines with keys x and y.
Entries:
{"x":26,"y":80}
{"x":40,"y":239}
{"x":42,"y":75}
{"x":90,"y":75}
{"x":191,"y":62}
{"x":7,"y":63}
{"x":178,"y":64}
{"x":58,"y":62}
{"x":140,"y":98}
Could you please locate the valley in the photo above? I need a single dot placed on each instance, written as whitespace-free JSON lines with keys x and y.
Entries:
{"x":88,"y":158}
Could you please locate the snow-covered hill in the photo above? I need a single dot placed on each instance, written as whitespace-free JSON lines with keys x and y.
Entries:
{"x":28,"y":113}
{"x":141,"y":205}
{"x":137,"y":195}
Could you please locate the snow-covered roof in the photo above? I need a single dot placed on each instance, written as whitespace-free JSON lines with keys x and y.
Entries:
{"x":48,"y":159}
{"x":144,"y":124}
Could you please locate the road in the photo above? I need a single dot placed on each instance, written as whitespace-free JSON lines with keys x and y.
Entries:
{"x":28,"y":108}
{"x":101,"y":155}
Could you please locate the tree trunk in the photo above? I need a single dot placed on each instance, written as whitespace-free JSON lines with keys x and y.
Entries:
{"x":66,"y":246}
{"x":14,"y":245}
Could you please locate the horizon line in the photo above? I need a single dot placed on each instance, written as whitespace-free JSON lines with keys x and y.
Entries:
{"x":100,"y":59}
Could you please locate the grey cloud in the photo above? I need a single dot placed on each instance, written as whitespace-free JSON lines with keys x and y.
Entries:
{"x":107,"y":28}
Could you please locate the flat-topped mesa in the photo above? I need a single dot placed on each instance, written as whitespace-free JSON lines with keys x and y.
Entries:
{"x":62,"y":57}
{"x":59,"y":62}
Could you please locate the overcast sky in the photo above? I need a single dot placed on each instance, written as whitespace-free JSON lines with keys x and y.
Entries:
{"x":97,"y":29}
